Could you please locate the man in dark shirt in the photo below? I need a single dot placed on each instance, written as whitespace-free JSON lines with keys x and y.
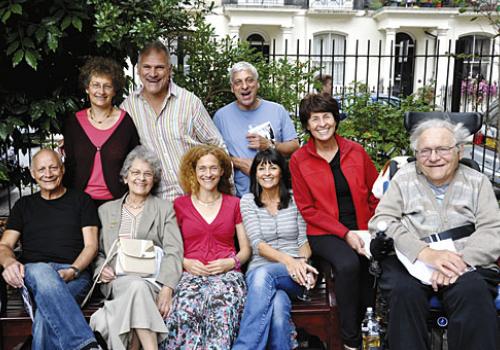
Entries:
{"x":58,"y":232}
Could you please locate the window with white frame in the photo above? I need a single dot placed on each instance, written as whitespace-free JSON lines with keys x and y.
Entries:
{"x":476,"y":51}
{"x":328,"y":53}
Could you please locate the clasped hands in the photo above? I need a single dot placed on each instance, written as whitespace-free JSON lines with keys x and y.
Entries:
{"x":449,"y":266}
{"x":215,"y":267}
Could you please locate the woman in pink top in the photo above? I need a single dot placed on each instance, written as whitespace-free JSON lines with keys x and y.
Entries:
{"x":97,"y":139}
{"x":209,"y":299}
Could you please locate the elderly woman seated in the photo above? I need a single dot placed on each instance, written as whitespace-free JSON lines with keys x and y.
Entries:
{"x":209,"y":299}
{"x":434,"y":199}
{"x":132,"y":315}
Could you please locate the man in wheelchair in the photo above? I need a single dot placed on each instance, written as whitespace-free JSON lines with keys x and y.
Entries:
{"x":445,"y":223}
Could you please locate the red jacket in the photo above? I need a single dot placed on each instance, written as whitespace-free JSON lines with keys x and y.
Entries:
{"x":314,"y":187}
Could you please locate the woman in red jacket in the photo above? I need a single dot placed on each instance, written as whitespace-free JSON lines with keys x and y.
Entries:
{"x":332,"y":178}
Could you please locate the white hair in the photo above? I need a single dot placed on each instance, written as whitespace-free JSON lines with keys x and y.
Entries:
{"x":241,"y":66}
{"x":460,"y":133}
{"x":146,"y":155}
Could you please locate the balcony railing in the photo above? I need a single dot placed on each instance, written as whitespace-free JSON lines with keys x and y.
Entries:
{"x":359,"y":4}
{"x":330,"y":4}
{"x":267,"y":3}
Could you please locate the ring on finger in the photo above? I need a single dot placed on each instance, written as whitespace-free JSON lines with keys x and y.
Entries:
{"x":293,"y":275}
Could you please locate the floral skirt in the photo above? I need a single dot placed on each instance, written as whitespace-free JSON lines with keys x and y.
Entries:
{"x":206,"y":312}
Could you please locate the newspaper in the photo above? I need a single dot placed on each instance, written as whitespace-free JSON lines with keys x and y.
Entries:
{"x":419,"y":269}
{"x":264,"y":130}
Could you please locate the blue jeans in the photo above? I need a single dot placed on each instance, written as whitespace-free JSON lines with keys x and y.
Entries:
{"x":266,"y":319}
{"x":59,"y":322}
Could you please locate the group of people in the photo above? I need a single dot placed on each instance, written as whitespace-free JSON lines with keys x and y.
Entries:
{"x":158,"y":168}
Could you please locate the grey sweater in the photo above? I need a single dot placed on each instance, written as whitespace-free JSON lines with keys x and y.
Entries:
{"x":410,"y":209}
{"x":286,"y":231}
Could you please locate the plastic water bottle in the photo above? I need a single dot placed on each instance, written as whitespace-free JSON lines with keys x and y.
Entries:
{"x":370,"y":330}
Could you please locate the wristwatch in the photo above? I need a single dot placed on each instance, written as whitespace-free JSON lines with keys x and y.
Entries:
{"x":76,"y":269}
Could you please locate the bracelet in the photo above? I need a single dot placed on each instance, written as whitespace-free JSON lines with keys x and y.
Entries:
{"x":76,"y":270}
{"x":237,"y":261}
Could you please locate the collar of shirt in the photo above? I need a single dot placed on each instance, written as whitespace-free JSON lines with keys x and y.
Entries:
{"x":173,"y":90}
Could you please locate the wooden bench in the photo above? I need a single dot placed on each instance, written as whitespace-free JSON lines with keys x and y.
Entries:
{"x":317,"y":317}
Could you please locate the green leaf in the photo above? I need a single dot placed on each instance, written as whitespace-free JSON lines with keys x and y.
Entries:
{"x":77,"y":23}
{"x":18,"y":56}
{"x":12,"y":47}
{"x":66,"y":22}
{"x":31,"y":58}
{"x":52,"y":41}
{"x":40,"y":34}
{"x":4,"y":131}
{"x":6,"y":16}
{"x":17,"y":9}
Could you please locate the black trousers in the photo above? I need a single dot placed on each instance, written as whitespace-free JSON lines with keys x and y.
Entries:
{"x":354,"y":288}
{"x":468,"y":303}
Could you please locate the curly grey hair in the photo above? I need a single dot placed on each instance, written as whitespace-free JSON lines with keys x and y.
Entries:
{"x":142,"y":153}
{"x":241,"y":66}
{"x":460,"y":133}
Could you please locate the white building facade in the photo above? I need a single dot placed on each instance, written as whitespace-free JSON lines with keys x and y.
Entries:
{"x":399,"y":47}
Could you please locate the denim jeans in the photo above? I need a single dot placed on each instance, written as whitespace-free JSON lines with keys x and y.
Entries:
{"x":266,"y":319}
{"x":59,"y":322}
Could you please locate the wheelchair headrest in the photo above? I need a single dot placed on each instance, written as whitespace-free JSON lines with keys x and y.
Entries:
{"x":472,"y":121}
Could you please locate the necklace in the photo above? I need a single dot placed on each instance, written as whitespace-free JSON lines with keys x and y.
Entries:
{"x":134,"y":206}
{"x":207,"y":204}
{"x":100,"y":121}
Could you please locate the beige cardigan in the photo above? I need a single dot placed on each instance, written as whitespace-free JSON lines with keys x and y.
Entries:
{"x":158,"y":223}
{"x":411,"y":211}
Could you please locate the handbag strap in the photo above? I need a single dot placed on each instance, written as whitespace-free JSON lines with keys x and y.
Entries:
{"x":96,"y":279}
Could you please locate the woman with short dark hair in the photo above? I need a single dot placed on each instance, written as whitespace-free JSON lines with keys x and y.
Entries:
{"x":332,"y":180}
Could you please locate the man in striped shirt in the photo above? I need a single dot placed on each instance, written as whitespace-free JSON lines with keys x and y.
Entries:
{"x":169,"y":119}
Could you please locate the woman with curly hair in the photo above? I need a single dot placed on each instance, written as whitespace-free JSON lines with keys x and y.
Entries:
{"x":209,"y":299}
{"x":97,"y":139}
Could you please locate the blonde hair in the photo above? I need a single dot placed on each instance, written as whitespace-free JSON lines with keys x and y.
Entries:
{"x":187,"y":174}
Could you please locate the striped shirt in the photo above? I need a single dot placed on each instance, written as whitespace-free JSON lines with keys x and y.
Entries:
{"x":129,"y":223}
{"x":285,"y":231}
{"x":182,"y":124}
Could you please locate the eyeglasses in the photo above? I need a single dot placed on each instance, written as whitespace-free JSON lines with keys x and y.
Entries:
{"x":440,"y":151}
{"x":137,"y":174}
{"x":98,"y":86}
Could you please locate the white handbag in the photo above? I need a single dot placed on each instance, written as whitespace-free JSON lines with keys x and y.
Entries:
{"x":135,"y":257}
